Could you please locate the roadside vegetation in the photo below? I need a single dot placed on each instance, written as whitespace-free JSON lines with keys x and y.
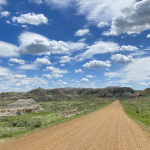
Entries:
{"x":139,"y":110}
{"x":14,"y":126}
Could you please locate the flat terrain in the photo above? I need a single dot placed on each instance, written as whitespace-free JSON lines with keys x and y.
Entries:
{"x":106,"y":129}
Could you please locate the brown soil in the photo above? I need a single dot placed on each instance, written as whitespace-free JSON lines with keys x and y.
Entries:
{"x":106,"y":129}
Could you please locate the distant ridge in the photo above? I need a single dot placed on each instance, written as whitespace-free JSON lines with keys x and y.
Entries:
{"x":40,"y":94}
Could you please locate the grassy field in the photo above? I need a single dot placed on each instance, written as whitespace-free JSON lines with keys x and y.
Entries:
{"x":15,"y":126}
{"x":139,"y":110}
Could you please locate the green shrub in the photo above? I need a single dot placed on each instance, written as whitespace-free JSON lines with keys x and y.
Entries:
{"x":36,"y":124}
{"x":5,"y":135}
{"x":31,"y":124}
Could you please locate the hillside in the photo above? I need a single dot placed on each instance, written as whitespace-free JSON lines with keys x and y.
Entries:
{"x":69,"y":93}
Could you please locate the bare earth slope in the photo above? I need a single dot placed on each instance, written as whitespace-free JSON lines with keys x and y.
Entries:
{"x":106,"y":129}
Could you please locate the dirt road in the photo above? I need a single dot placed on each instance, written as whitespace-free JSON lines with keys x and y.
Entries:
{"x":106,"y":129}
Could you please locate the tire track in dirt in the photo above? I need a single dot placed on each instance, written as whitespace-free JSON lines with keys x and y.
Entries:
{"x":106,"y":129}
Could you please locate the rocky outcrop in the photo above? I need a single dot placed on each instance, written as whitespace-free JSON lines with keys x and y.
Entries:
{"x":69,"y":113}
{"x":20,"y":107}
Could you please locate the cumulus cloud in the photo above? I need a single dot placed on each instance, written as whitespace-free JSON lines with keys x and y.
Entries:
{"x":16,"y":60}
{"x":134,"y":19}
{"x":82,"y":32}
{"x":28,"y":67}
{"x":90,"y":76}
{"x":103,"y":24}
{"x":76,"y":45}
{"x":78,"y":71}
{"x":56,"y":70}
{"x":84,"y":80}
{"x":3,"y":2}
{"x":102,"y":10}
{"x":137,"y":71}
{"x":148,"y":36}
{"x":102,"y":47}
{"x":7,"y":49}
{"x":95,"y":10}
{"x":65,"y":59}
{"x":122,"y":59}
{"x":37,"y":1}
{"x":128,"y":48}
{"x":52,"y":76}
{"x":19,"y":76}
{"x":10,"y":81}
{"x":42,"y":61}
{"x":95,"y":64}
{"x":4,"y":13}
{"x":138,"y":53}
{"x":4,"y":72}
{"x":31,"y":18}
{"x":99,"y":47}
{"x":36,"y":44}
{"x":144,"y":84}
{"x":36,"y":64}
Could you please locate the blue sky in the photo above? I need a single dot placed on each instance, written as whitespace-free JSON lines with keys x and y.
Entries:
{"x":74,"y":43}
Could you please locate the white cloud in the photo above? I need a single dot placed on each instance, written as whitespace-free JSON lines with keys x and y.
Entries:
{"x":137,"y":71}
{"x":36,"y":44}
{"x":76,"y":45}
{"x":103,"y":24}
{"x":112,"y":74}
{"x":19,"y":76}
{"x":102,"y":10}
{"x":24,"y":26}
{"x":37,"y":1}
{"x":134,"y":19}
{"x":138,"y":53}
{"x":82,"y":40}
{"x":16,"y":60}
{"x":59,"y":3}
{"x":99,"y":47}
{"x":23,"y":84}
{"x":52,"y":76}
{"x":144,"y":84}
{"x":4,"y":72}
{"x":122,"y":59}
{"x":90,"y":76}
{"x":28,"y":67}
{"x":36,"y":64}
{"x":31,"y":18}
{"x":64,"y":83}
{"x":148,"y":36}
{"x":56,"y":70}
{"x":42,"y":61}
{"x":3,"y":2}
{"x":78,"y":71}
{"x":102,"y":47}
{"x":82,"y":32}
{"x":4,"y":13}
{"x":93,"y":10}
{"x":10,"y":81}
{"x":128,"y":48}
{"x":94,"y":64}
{"x":65,"y":59}
{"x":7,"y":49}
{"x":84,"y":80}
{"x":7,"y":21}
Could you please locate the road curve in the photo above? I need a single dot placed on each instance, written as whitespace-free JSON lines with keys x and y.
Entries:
{"x":106,"y":129}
